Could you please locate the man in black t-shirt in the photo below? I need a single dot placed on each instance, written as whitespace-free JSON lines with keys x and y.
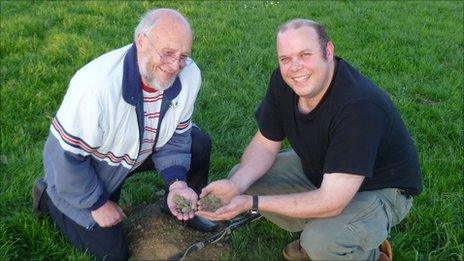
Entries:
{"x":353,"y":168}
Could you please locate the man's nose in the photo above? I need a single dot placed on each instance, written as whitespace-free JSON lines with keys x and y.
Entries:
{"x":175,"y":65}
{"x":295,"y":65}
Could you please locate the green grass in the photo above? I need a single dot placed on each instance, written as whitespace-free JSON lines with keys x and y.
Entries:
{"x":413,"y":50}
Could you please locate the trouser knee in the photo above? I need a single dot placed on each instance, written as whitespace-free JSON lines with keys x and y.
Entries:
{"x":103,"y":243}
{"x":201,"y":148}
{"x":335,"y":239}
{"x":316,"y":242}
{"x":197,"y":177}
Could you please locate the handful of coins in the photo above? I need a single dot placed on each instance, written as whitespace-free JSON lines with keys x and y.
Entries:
{"x":182,"y":204}
{"x":210,"y":203}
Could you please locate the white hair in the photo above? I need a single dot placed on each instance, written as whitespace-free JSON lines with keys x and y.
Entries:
{"x":150,"y":18}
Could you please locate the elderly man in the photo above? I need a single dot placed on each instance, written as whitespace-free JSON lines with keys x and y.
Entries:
{"x":127,"y":111}
{"x":353,"y":168}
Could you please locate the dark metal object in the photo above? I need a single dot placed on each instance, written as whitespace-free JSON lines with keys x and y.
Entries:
{"x":233,"y":224}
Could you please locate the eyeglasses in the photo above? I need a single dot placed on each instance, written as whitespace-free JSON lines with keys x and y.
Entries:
{"x":169,"y":57}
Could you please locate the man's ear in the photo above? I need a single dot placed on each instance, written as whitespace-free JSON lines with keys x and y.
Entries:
{"x":330,"y":50}
{"x":139,"y":42}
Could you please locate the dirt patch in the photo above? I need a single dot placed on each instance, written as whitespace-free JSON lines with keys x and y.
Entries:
{"x":153,"y":235}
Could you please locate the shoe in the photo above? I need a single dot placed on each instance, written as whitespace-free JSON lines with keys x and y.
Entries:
{"x":386,"y":252}
{"x":39,"y":204}
{"x":202,"y":224}
{"x":294,"y":251}
{"x":197,"y":222}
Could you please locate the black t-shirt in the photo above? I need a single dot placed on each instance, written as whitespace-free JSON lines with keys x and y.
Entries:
{"x":354,"y":129}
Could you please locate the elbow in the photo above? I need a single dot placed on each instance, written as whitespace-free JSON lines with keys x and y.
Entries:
{"x":331,"y":205}
{"x":333,"y":213}
{"x":332,"y":210}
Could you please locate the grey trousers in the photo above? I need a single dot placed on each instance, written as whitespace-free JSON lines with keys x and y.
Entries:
{"x":355,"y":234}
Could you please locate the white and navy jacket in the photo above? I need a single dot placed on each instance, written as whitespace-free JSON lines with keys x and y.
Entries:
{"x":95,"y":137}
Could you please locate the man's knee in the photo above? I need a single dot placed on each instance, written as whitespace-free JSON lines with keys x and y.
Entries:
{"x":107,"y":243}
{"x":201,"y":144}
{"x":337,"y":239}
{"x":324,"y":239}
{"x":315,"y":241}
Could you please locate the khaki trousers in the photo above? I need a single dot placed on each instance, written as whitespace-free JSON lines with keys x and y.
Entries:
{"x":355,"y":234}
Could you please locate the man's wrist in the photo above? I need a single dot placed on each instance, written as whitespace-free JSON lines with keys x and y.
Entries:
{"x":104,"y":197}
{"x":177,"y":184}
{"x":254,"y":205}
{"x":237,"y":186}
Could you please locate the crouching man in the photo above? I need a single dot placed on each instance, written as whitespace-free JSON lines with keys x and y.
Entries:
{"x":353,"y":169}
{"x":127,"y":111}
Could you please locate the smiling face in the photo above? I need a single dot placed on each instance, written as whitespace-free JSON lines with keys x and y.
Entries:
{"x":302,"y":63}
{"x":161,"y":50}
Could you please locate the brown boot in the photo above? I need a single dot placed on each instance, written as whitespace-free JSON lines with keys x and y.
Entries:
{"x":294,"y":251}
{"x":386,"y":252}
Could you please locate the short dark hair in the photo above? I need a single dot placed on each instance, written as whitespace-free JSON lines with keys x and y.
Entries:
{"x":297,"y":23}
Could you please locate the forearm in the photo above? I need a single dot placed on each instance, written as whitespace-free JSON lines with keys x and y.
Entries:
{"x":292,"y":205}
{"x":257,"y":159}
{"x":335,"y":193}
{"x":311,"y":204}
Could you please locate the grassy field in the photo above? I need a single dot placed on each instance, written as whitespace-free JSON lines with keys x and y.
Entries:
{"x":413,"y":50}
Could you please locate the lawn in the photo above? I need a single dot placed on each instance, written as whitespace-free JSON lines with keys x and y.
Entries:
{"x":413,"y":50}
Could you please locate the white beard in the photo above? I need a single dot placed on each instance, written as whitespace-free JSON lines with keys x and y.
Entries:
{"x":149,"y":77}
{"x":153,"y":82}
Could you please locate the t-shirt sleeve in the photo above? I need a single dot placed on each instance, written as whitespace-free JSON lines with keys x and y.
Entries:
{"x":355,"y":138}
{"x":268,"y":115}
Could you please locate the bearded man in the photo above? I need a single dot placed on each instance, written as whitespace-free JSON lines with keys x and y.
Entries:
{"x":127,"y":111}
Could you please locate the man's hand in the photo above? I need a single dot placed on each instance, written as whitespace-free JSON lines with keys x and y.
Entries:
{"x":237,"y":205}
{"x":181,"y":188}
{"x":224,"y":189}
{"x":108,"y":215}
